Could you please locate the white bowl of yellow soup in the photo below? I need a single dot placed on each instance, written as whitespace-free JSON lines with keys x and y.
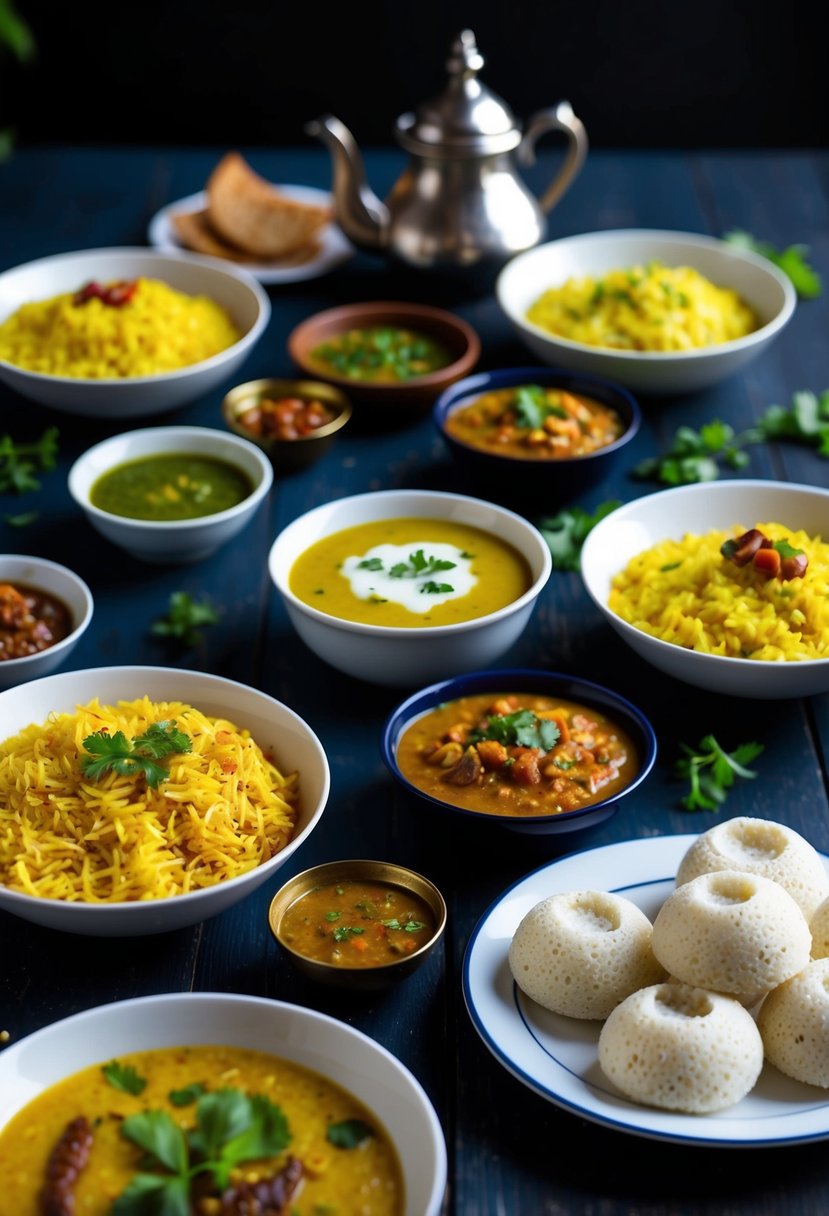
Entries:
{"x":403,"y":587}
{"x":320,"y":1072}
{"x":648,"y":342}
{"x":171,"y":493}
{"x":157,"y":350}
{"x":160,"y":858}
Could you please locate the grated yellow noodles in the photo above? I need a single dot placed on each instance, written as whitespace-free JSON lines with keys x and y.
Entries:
{"x":686,"y":592}
{"x":648,"y":308}
{"x":157,"y":330}
{"x":224,"y":810}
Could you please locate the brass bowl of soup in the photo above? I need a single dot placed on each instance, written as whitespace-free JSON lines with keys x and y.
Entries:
{"x":294,"y":421}
{"x":536,"y":431}
{"x":386,"y":353}
{"x":533,"y":751}
{"x":358,"y":924}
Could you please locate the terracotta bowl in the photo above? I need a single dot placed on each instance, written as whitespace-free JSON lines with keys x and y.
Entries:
{"x":288,"y":455}
{"x":420,"y":391}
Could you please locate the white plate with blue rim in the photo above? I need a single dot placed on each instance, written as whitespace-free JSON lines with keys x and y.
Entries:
{"x":557,"y":1056}
{"x":334,"y":247}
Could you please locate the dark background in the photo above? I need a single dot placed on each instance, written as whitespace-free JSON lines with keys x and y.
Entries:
{"x":251,"y":72}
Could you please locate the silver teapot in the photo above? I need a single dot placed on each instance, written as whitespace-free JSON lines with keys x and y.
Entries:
{"x":460,"y":203}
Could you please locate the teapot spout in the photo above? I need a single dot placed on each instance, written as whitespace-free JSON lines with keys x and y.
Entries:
{"x":361,"y":215}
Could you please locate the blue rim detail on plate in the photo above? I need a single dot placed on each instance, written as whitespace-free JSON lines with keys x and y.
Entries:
{"x":600,"y":1103}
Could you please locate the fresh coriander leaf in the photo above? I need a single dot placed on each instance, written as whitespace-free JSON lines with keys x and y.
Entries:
{"x":785,"y":549}
{"x":153,"y":1195}
{"x":792,"y":261}
{"x":711,"y":771}
{"x":521,"y":729}
{"x":113,"y":753}
{"x":343,"y":932}
{"x":123,"y":1077}
{"x":158,"y":1134}
{"x":332,"y":916}
{"x":409,"y":926}
{"x":566,"y":532}
{"x":266,"y":1135}
{"x":187,"y":1095}
{"x":21,"y":462}
{"x":351,"y":1133}
{"x":162,"y":739}
{"x":23,"y":519}
{"x":433,"y":588}
{"x":370,"y":563}
{"x":532,"y":406}
{"x":185,"y":618}
{"x":670,"y":566}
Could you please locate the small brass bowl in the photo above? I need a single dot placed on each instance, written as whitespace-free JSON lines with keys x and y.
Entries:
{"x":288,"y":455}
{"x":368,"y":978}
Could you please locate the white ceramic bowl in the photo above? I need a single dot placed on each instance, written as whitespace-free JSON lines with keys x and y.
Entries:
{"x":184,"y":540}
{"x":401,"y":657}
{"x":275,"y":727}
{"x":702,"y":508}
{"x":767,"y":289}
{"x":136,"y":396}
{"x":312,"y":1040}
{"x":65,"y":585}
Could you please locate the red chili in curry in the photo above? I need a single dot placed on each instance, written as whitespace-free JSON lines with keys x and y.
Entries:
{"x":30,"y":621}
{"x":517,"y":755}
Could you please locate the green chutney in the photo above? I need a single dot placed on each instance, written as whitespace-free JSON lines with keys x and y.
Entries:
{"x":174,"y":486}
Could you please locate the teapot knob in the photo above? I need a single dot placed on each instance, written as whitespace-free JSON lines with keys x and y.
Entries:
{"x":464,"y":57}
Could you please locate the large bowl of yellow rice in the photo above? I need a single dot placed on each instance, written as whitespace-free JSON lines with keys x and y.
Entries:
{"x":655,"y":570}
{"x":108,"y":853}
{"x":656,"y":311}
{"x":125,"y":333}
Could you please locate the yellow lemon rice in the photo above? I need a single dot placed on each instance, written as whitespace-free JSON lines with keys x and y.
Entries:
{"x":649,"y":308}
{"x":685,"y":592}
{"x":157,"y":330}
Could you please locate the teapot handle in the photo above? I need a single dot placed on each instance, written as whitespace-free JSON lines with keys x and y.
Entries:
{"x":558,"y":118}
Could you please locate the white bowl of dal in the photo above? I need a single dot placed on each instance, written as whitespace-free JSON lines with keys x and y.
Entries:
{"x":410,"y":655}
{"x":276,"y":728}
{"x":234,"y":289}
{"x":767,"y":290}
{"x":312,"y":1040}
{"x":700,"y":509}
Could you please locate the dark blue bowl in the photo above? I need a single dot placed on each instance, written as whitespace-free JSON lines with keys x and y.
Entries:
{"x":545,"y":683}
{"x":550,"y":481}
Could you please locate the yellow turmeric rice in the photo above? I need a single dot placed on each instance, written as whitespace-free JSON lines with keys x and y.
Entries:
{"x":155,"y":330}
{"x":646,"y":308}
{"x":685,"y":592}
{"x":223,"y":810}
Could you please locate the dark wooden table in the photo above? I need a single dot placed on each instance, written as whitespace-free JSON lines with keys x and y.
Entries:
{"x":511,"y":1153}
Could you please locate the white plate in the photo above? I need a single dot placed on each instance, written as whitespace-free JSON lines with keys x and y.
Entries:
{"x":335,"y":247}
{"x":556,"y":1056}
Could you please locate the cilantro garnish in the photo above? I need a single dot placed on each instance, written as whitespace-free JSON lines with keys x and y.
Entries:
{"x":785,"y":549}
{"x":370,"y":563}
{"x":351,"y":1133}
{"x":343,"y":932}
{"x":188,"y":1095}
{"x":114,"y":753}
{"x":807,"y":421}
{"x":20,"y":462}
{"x":693,"y":455}
{"x":532,"y":407}
{"x":433,"y":588}
{"x":712,"y":771}
{"x":566,"y":532}
{"x":418,"y":565}
{"x":22,"y":519}
{"x":123,"y":1077}
{"x":792,"y":261}
{"x":185,"y":617}
{"x":521,"y":729}
{"x":409,"y":926}
{"x":231,"y":1128}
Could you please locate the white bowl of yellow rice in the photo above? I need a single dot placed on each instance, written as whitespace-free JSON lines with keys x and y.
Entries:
{"x":105,"y":853}
{"x":655,"y":571}
{"x":188,"y":326}
{"x":656,"y":311}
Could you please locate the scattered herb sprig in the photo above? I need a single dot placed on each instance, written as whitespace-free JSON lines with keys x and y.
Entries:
{"x":521,"y":729}
{"x":21,"y":462}
{"x":805,"y":421}
{"x":533,"y":407}
{"x":124,"y":1077}
{"x":115,"y":753}
{"x":792,"y":261}
{"x":185,"y":619}
{"x":566,"y":532}
{"x":693,"y":455}
{"x":712,"y":771}
{"x":418,"y":566}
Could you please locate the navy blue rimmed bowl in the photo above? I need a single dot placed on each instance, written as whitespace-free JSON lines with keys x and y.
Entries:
{"x":543,"y":683}
{"x":554,"y":480}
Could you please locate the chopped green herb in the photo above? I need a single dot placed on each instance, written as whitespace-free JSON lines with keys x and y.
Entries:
{"x":409,"y":926}
{"x":521,"y":729}
{"x":468,"y":556}
{"x":566,"y":532}
{"x":340,"y":890}
{"x":370,"y":563}
{"x":670,"y":566}
{"x":433,"y":588}
{"x":113,"y":753}
{"x":712,"y":771}
{"x":23,"y":519}
{"x":188,"y":1095}
{"x":185,"y":618}
{"x":792,"y":261}
{"x":21,"y":462}
{"x":343,"y":932}
{"x":785,"y":549}
{"x":807,"y":421}
{"x":123,"y":1077}
{"x":693,"y":455}
{"x":532,"y":407}
{"x":418,"y":565}
{"x":351,"y":1133}
{"x":333,"y":915}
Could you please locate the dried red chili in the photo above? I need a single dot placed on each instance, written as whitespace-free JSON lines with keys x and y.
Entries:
{"x":112,"y":294}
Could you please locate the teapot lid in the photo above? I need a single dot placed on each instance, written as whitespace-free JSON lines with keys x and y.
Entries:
{"x":467,"y":118}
